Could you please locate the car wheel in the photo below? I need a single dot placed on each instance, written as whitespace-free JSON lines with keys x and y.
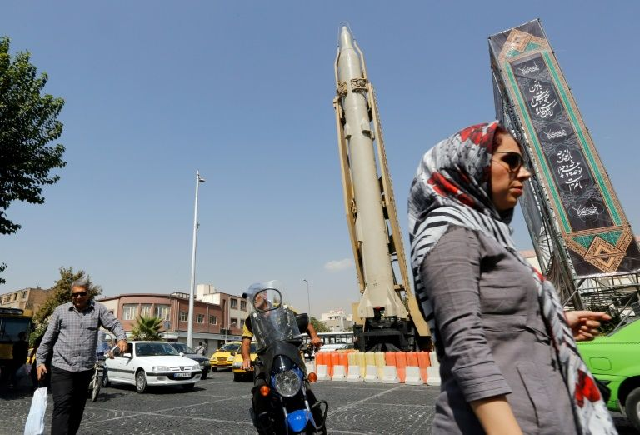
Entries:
{"x":188,"y":387}
{"x":141,"y":381}
{"x":237,"y":377}
{"x":632,"y":407}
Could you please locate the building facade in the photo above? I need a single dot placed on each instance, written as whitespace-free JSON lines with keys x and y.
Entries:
{"x":337,"y":320}
{"x":212,"y":323}
{"x":27,"y":299}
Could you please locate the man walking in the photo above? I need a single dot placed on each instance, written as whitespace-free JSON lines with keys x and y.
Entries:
{"x":200,"y":350}
{"x":72,"y":336}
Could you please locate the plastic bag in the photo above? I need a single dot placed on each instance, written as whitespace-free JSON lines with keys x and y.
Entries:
{"x":35,"y":419}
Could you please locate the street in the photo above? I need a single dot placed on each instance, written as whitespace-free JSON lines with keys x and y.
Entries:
{"x":220,"y":406}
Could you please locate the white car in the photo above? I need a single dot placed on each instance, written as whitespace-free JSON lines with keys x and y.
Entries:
{"x":150,"y":363}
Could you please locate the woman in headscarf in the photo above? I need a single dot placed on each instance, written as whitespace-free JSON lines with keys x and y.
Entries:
{"x":508,"y":358}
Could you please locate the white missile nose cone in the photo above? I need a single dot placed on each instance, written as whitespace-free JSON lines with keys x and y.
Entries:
{"x":346,"y":40}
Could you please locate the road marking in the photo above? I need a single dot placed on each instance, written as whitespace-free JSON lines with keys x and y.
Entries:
{"x":358,"y":402}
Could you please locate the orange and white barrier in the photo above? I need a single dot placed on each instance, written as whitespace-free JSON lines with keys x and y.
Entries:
{"x":433,"y":372}
{"x":353,"y":368}
{"x":413,"y":370}
{"x":322,"y":369}
{"x":390,"y":371}
{"x":339,"y":366}
{"x":371,"y":373}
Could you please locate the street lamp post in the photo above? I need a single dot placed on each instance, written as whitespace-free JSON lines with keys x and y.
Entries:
{"x":199,"y":180}
{"x":308,"y":300}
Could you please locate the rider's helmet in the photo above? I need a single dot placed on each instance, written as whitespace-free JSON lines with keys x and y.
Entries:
{"x":264,"y":296}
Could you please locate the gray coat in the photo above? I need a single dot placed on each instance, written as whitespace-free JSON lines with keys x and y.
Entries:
{"x":492,"y":339}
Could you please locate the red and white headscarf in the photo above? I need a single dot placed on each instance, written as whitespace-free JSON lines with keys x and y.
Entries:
{"x":452,"y":187}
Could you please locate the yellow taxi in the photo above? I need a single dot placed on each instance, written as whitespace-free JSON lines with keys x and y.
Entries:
{"x":238,"y":372}
{"x":223,"y":357}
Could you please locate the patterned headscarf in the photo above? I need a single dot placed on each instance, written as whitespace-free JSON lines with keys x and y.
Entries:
{"x":452,"y":187}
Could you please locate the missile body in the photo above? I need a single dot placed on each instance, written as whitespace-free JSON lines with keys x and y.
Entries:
{"x":366,"y":213}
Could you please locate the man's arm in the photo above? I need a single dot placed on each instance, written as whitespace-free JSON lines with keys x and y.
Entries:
{"x":49,"y":338}
{"x":109,"y":321}
{"x":315,"y":340}
{"x":246,"y":354}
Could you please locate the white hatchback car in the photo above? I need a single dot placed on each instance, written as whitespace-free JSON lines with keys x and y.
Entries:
{"x":150,"y":363}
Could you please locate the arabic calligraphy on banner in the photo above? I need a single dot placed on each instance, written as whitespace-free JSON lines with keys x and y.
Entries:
{"x":562,"y":154}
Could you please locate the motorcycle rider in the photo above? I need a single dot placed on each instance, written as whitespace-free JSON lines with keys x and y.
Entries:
{"x":260,"y":302}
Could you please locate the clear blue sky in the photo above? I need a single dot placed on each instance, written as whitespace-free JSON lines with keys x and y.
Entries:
{"x":242,"y":92}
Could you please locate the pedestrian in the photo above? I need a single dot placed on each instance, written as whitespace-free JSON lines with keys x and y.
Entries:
{"x":19,"y":352}
{"x":71,"y":338}
{"x":508,"y":358}
{"x":200,"y":350}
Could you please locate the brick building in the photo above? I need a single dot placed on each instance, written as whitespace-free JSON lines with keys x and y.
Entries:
{"x":213,"y":323}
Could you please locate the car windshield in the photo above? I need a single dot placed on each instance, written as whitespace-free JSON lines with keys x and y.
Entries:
{"x":229,"y":347}
{"x":155,"y":349}
{"x":253,"y":348}
{"x":181,"y":347}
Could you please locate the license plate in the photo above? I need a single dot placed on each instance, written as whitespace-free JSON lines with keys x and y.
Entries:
{"x":182,"y":375}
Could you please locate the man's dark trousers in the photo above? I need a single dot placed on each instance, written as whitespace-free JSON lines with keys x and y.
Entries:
{"x":69,"y":390}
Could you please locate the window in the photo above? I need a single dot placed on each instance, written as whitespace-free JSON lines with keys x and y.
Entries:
{"x":162,"y":311}
{"x":234,"y":321}
{"x":183,"y":316}
{"x":243,"y":305}
{"x":241,"y":323}
{"x":24,"y":294}
{"x":200,"y":318}
{"x":145,"y":310}
{"x":234,"y":303}
{"x":129,"y":311}
{"x":213,"y":320}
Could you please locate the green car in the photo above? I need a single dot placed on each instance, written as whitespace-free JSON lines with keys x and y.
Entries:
{"x":615,"y":361}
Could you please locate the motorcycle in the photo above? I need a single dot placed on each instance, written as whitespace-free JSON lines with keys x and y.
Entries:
{"x":283,"y":402}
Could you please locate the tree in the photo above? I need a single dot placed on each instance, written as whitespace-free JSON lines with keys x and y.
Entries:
{"x":318,"y":325}
{"x":59,"y":294}
{"x":28,"y":122}
{"x":147,"y":329}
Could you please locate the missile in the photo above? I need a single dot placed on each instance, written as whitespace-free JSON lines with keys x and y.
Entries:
{"x":364,"y":193}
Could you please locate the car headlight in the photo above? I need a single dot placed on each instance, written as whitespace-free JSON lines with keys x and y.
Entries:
{"x":230,"y":358}
{"x":196,"y":367}
{"x":160,"y":369}
{"x":287,"y":383}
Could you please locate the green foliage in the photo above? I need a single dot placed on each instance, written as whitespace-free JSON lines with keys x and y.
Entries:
{"x":59,"y":294}
{"x":147,"y":329}
{"x":28,"y":122}
{"x":318,"y":325}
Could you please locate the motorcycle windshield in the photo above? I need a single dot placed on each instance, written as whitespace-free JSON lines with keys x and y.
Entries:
{"x":274,"y":325}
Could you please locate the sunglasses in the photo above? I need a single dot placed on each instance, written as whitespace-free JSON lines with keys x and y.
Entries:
{"x":78,"y":294}
{"x":513,"y":160}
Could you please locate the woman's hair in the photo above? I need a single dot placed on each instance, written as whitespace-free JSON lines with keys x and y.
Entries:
{"x":497,"y":137}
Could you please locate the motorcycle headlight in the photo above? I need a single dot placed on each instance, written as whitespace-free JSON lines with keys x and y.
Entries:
{"x":287,"y":383}
{"x":160,"y":369}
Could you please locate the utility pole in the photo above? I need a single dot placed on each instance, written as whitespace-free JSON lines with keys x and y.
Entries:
{"x":199,"y":180}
